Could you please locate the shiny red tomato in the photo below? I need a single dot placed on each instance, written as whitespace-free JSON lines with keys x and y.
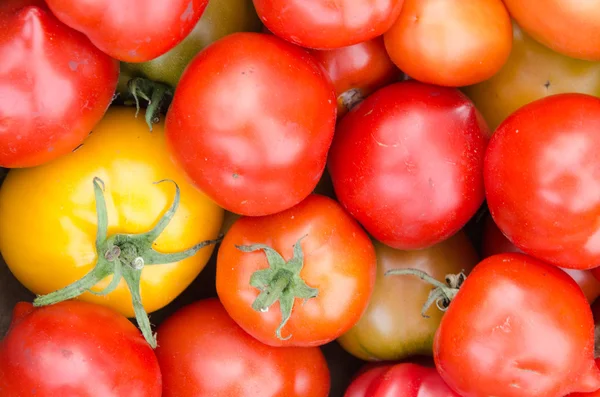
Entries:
{"x":407,"y":163}
{"x":450,"y":42}
{"x":131,"y":30}
{"x":517,"y":327}
{"x":543,"y":182}
{"x":592,"y":394}
{"x":328,"y":24}
{"x":251,"y":123}
{"x":78,"y":349}
{"x":568,"y":27}
{"x":357,"y":71}
{"x":399,"y":380}
{"x":301,"y":277}
{"x":54,"y":85}
{"x":203,"y":352}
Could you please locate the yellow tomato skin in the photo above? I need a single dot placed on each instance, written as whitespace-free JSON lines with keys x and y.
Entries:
{"x":48,"y":215}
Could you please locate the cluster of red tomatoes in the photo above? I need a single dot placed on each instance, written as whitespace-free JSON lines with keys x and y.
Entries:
{"x":417,"y":181}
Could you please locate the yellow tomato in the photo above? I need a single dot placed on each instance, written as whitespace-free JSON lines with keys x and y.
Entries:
{"x":49,"y":221}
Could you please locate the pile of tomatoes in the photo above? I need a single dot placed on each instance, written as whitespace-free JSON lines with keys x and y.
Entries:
{"x":416,"y":181}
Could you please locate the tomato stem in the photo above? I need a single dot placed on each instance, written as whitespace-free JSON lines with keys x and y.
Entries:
{"x":124,"y":256}
{"x":157,"y":95}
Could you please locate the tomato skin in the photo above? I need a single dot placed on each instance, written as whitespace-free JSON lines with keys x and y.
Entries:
{"x":410,"y":184}
{"x":339,"y":260}
{"x":253,"y":155}
{"x":400,"y":380}
{"x":551,"y":211}
{"x":232,"y":363}
{"x":450,"y":43}
{"x":48,"y":240}
{"x":60,"y":350}
{"x":54,"y":85}
{"x":517,"y":326}
{"x":131,"y":31}
{"x":568,"y":27}
{"x":322,"y":24}
{"x":357,"y":71}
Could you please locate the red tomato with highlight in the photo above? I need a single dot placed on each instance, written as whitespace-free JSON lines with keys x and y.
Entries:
{"x":407,"y":163}
{"x":203,"y":352}
{"x":131,"y":30}
{"x":55,"y":85}
{"x":251,"y":123}
{"x":325,"y":24}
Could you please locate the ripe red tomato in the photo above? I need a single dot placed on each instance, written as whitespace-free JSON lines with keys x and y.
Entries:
{"x":542,"y":179}
{"x":568,"y":27}
{"x":517,"y":327}
{"x":407,"y":163}
{"x":399,"y":380}
{"x":328,"y":278}
{"x":328,"y":24}
{"x":251,"y":123}
{"x":450,"y":42}
{"x":54,"y":85}
{"x":131,"y":30}
{"x":357,"y":71}
{"x":203,"y":352}
{"x":78,"y":349}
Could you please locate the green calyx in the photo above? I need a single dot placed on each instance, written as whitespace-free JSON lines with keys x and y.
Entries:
{"x":442,"y":294}
{"x":157,"y":95}
{"x":124,"y":256}
{"x":280,"y":282}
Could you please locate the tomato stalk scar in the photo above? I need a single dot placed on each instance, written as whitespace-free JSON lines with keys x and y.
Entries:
{"x":124,"y":257}
{"x":280,"y":282}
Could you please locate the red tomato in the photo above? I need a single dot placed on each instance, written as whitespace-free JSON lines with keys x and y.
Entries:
{"x":325,"y":24}
{"x":131,"y":30}
{"x":357,"y":71}
{"x":543,"y":182}
{"x":407,"y":163}
{"x":251,"y":122}
{"x":54,"y":85}
{"x":568,"y":27}
{"x":592,"y":394}
{"x":203,"y":352}
{"x":450,"y":42}
{"x":75,"y":348}
{"x":328,"y":278}
{"x":517,"y":327}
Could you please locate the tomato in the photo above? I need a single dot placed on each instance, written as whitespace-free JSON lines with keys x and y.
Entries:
{"x":61,"y":350}
{"x":54,"y":85}
{"x":219,"y":359}
{"x":220,"y":18}
{"x":357,"y":71}
{"x":133,"y":30}
{"x":49,"y":221}
{"x":393,"y":328}
{"x":325,"y":24}
{"x":450,"y":42}
{"x":532,"y":71}
{"x":569,"y":27}
{"x":517,"y":327}
{"x":407,"y":163}
{"x":251,"y":123}
{"x":313,"y":258}
{"x":550,"y":212}
{"x":400,"y":380}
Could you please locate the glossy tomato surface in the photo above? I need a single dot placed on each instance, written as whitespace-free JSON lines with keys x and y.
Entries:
{"x":76,"y":349}
{"x":54,"y":85}
{"x":517,"y":327}
{"x":407,"y":163}
{"x":338,"y":261}
{"x":550,"y":211}
{"x":251,"y":123}
{"x":203,"y":352}
{"x":132,"y":30}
